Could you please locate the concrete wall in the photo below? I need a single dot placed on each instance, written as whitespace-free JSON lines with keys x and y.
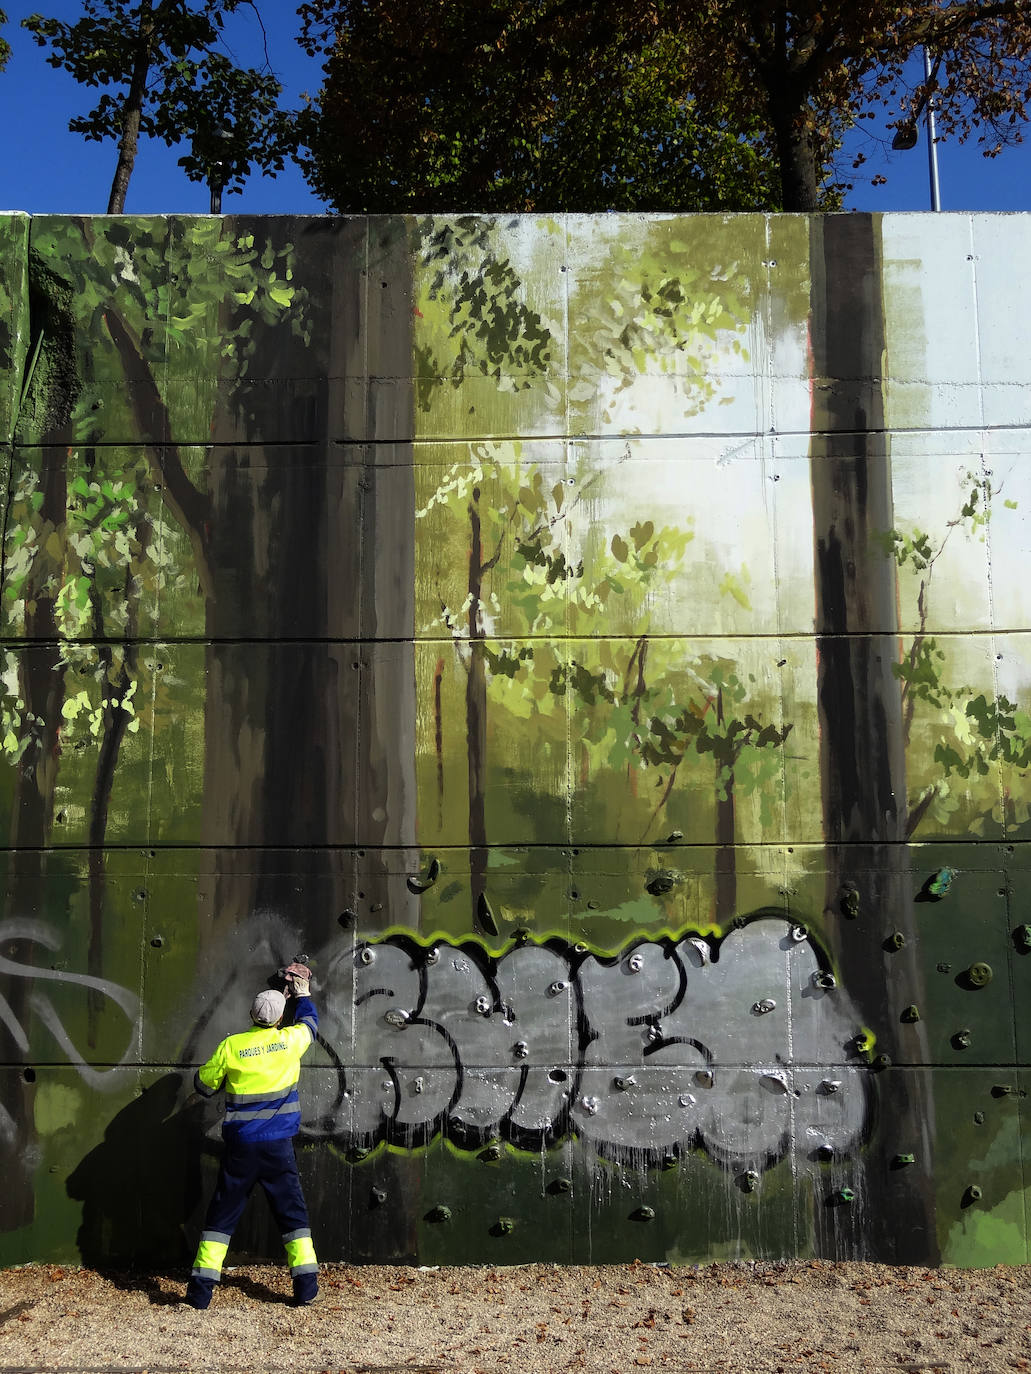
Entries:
{"x":601,"y":647}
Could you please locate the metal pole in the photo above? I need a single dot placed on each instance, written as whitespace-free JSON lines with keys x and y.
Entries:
{"x":932,"y":147}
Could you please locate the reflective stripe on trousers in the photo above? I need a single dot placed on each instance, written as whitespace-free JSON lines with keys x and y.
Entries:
{"x":300,"y":1253}
{"x":211,"y":1254}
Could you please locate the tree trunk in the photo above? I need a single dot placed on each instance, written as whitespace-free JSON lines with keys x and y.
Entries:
{"x":799,"y":183}
{"x":861,"y":738}
{"x":132,"y":112}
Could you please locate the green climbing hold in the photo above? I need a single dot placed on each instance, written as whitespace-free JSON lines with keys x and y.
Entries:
{"x":939,"y":883}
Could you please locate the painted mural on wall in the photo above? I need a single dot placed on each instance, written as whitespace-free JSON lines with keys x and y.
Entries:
{"x":600,"y":646}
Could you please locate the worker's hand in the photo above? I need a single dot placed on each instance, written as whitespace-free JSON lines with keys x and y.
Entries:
{"x":298,"y":978}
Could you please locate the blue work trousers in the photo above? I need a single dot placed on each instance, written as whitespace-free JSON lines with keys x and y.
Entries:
{"x":272,"y":1164}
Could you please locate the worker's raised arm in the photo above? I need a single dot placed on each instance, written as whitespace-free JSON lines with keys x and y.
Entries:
{"x":298,"y":984}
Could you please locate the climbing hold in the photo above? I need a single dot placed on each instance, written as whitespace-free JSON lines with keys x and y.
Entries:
{"x":433,"y":955}
{"x":624,"y":1083}
{"x":863,"y":1042}
{"x":485,"y":915}
{"x":799,"y":933}
{"x":1002,"y":1090}
{"x":775,"y":1081}
{"x":377,"y":1197}
{"x":748,"y":1181}
{"x":590,"y":1105}
{"x":900,"y":1161}
{"x":979,"y":1118}
{"x":704,"y":1078}
{"x":895,"y":941}
{"x":882,"y":1061}
{"x":520,"y":1049}
{"x":848,"y":900}
{"x":560,"y":1185}
{"x":1022,"y":937}
{"x":397,"y":1018}
{"x":439,"y":1213}
{"x":367,"y":956}
{"x":673,"y":836}
{"x":669,"y":1162}
{"x":830,"y":1085}
{"x":978,"y":975}
{"x":504,"y":1226}
{"x":972,"y":1194}
{"x":823,"y":979}
{"x":419,"y":1084}
{"x":938,"y":884}
{"x":643,"y":1214}
{"x":764,"y":1007}
{"x":961,"y":1040}
{"x":662,"y":880}
{"x":347,"y":918}
{"x":822,"y":1152}
{"x":558,"y":986}
{"x":845,"y":1196}
{"x":418,"y":883}
{"x":911,"y":1014}
{"x":490,"y":1155}
{"x":702,"y":947}
{"x":483,"y":1006}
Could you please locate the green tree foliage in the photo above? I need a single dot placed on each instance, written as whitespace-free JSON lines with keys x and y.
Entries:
{"x":723,"y":104}
{"x":5,"y":47}
{"x":164,"y":77}
{"x":809,"y":71}
{"x":428,"y":105}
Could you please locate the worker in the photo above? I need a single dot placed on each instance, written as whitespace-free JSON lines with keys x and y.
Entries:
{"x":260,"y":1069}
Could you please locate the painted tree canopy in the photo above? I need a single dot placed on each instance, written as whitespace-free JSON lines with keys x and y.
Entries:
{"x":727,"y":105}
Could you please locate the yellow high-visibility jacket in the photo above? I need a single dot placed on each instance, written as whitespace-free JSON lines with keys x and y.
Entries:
{"x":261,"y":1068}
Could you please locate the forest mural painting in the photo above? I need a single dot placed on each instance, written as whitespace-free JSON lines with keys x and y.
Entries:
{"x":600,"y":645}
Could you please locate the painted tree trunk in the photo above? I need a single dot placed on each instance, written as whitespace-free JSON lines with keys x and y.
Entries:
{"x":476,"y":719}
{"x":726,"y":855}
{"x":861,"y":729}
{"x":50,"y":397}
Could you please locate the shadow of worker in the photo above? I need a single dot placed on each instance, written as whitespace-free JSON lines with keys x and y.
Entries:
{"x":140,"y":1185}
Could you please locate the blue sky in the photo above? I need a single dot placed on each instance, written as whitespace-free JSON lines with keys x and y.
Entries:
{"x":46,"y":169}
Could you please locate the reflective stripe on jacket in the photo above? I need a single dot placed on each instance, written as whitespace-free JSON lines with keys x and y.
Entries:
{"x":260,"y":1069}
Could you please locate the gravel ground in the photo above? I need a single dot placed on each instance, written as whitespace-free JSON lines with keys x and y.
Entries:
{"x":540,"y":1318}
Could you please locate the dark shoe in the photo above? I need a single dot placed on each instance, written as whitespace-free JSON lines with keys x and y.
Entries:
{"x":306,"y":1289}
{"x":198,"y":1294}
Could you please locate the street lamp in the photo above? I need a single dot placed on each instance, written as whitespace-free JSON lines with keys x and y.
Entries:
{"x":906,"y":136}
{"x":217,"y":176}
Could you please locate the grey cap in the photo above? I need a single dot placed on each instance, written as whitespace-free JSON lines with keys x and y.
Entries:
{"x":267,"y":1007}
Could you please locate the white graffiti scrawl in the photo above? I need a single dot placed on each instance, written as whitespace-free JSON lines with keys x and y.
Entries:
{"x":744,"y":1046}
